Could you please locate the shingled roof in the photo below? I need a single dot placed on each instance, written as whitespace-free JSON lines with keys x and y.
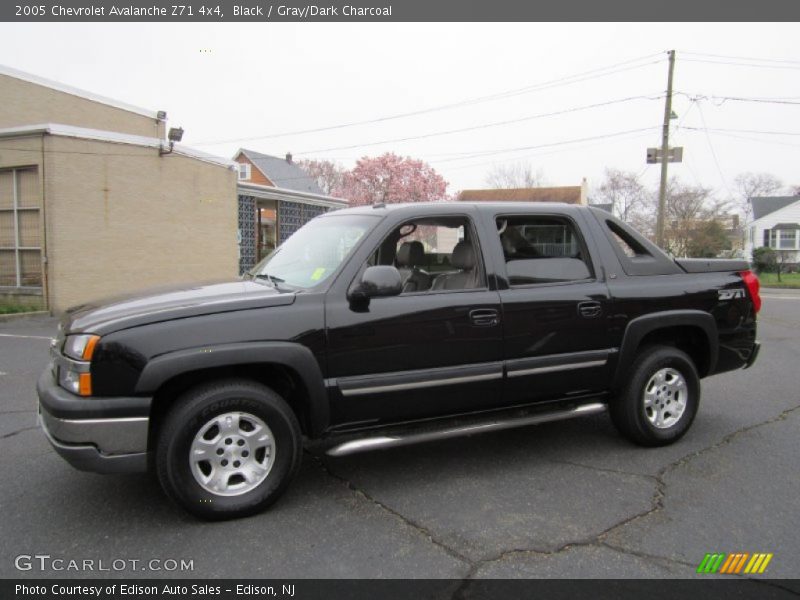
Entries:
{"x":567,"y":194}
{"x":283,"y":172}
{"x":764,"y":205}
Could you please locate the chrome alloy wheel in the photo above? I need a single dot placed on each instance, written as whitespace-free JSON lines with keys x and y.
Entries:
{"x":665,"y":397}
{"x":232,"y":454}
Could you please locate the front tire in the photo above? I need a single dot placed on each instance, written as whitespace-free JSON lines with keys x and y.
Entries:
{"x":658,"y":403}
{"x":228,"y":449}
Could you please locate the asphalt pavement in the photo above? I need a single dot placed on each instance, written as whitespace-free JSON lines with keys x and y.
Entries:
{"x":569,"y":499}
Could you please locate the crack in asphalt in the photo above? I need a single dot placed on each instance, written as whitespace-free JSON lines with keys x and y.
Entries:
{"x":598,"y":540}
{"x":13,"y":433}
{"x":409,"y":522}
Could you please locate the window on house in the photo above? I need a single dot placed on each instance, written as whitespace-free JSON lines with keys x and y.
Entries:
{"x":20,"y":229}
{"x":244,"y":171}
{"x":787,"y":239}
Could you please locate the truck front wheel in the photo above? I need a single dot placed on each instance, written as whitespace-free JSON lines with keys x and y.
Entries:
{"x":657,"y":404}
{"x":228,"y":449}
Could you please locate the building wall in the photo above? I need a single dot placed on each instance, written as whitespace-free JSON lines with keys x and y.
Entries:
{"x":755,"y":231}
{"x":26,"y":153}
{"x":26,"y":103}
{"x":293,"y":215}
{"x":247,"y":232}
{"x":256,"y":176}
{"x":120,"y":218}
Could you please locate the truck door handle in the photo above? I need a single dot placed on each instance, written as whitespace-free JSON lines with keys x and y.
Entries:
{"x":590,"y":310}
{"x":484,"y":317}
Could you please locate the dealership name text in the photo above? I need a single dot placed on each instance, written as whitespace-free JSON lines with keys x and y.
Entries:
{"x":127,"y":589}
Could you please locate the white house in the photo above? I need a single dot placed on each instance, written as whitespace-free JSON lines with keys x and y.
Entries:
{"x":776,"y":224}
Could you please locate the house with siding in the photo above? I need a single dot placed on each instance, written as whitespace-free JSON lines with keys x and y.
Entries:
{"x":275,"y":198}
{"x":776,"y":225}
{"x":94,"y":201}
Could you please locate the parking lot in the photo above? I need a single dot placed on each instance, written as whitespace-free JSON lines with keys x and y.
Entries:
{"x":569,"y":499}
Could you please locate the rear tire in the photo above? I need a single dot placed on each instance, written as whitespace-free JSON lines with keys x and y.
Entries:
{"x":228,"y":449}
{"x":658,"y":403}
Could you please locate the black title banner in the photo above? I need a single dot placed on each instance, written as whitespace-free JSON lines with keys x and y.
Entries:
{"x":395,"y":10}
{"x":417,"y":589}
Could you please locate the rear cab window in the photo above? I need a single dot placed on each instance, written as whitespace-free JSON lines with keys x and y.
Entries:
{"x":543,"y":249}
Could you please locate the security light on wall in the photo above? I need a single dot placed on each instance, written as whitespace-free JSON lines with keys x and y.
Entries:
{"x":175,"y":134}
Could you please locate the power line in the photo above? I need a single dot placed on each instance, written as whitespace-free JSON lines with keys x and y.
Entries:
{"x":740,"y":64}
{"x":548,"y":145}
{"x":749,"y":58}
{"x":743,"y":131}
{"x":599,"y":72}
{"x":715,"y":99}
{"x":754,"y":139}
{"x":713,"y":152}
{"x":529,"y":155}
{"x":485,"y":125}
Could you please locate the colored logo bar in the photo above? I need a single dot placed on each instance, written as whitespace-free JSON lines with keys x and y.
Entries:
{"x":733,"y":564}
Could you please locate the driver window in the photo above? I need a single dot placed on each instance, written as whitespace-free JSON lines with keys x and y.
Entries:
{"x":433,"y":254}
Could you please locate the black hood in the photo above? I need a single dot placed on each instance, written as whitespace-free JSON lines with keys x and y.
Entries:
{"x":175,"y":302}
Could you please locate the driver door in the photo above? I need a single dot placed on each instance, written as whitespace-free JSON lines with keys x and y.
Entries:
{"x":424,"y":353}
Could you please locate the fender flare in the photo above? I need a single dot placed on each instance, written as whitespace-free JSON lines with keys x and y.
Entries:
{"x":639,"y":327}
{"x":293,"y":356}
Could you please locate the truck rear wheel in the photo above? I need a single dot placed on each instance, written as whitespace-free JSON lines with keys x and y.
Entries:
{"x":228,"y":449}
{"x":659,"y":401}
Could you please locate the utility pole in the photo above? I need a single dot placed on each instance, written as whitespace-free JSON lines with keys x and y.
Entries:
{"x":662,"y":190}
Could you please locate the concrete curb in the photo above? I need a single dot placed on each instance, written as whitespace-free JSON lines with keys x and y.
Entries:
{"x":15,"y":316}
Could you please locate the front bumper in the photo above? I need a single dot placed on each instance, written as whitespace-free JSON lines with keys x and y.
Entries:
{"x":103,"y":435}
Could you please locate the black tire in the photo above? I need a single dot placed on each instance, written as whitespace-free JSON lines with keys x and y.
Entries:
{"x":628,"y":411}
{"x":192,"y":412}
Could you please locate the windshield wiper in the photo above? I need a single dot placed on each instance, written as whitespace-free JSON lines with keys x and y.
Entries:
{"x":274,"y":281}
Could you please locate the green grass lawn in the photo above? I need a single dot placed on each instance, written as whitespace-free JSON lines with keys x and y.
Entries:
{"x":788,"y":280}
{"x":9,"y":309}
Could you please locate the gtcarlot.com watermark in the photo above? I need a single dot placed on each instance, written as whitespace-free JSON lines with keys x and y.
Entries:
{"x":48,"y":563}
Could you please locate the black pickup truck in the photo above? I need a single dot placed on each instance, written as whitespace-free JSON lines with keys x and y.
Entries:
{"x":380,"y":326}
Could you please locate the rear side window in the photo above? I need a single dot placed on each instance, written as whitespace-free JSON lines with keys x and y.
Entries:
{"x":542,"y":249}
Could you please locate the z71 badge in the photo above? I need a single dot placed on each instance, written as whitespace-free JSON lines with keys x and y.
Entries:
{"x":731,"y":294}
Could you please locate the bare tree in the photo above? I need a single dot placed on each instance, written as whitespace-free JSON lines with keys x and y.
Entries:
{"x":624,"y":192}
{"x":689,"y":209}
{"x":328,"y":175}
{"x":750,"y":185}
{"x":518,"y":175}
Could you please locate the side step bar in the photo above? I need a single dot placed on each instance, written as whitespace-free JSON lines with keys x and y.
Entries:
{"x":393,"y":441}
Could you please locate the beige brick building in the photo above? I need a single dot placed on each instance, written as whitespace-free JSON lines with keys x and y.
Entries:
{"x":91,"y":206}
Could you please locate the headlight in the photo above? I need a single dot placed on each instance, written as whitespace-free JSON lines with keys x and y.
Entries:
{"x":75,"y":376}
{"x":75,"y":382}
{"x":81,"y":347}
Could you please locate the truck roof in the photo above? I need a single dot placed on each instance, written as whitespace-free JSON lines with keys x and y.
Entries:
{"x":433,"y":208}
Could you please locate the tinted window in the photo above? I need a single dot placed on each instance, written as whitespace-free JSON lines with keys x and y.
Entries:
{"x":542,"y":249}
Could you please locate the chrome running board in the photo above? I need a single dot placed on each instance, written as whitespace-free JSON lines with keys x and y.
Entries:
{"x":380,"y":442}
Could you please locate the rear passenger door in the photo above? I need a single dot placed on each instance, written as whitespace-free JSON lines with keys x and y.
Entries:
{"x":555,"y":309}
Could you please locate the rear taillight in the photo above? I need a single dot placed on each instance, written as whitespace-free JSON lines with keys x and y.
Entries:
{"x":753,"y":286}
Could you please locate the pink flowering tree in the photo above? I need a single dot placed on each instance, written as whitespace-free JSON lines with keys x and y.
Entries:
{"x":391,"y":178}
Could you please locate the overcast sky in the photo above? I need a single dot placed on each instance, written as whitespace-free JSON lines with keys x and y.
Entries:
{"x":233,"y":83}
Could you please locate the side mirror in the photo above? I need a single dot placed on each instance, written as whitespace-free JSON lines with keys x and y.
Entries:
{"x":377,"y":282}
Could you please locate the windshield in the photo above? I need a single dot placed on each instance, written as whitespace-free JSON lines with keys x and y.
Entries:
{"x":313,"y":252}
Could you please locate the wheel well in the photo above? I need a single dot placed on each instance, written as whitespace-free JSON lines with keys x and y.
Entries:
{"x":282,"y":380}
{"x":691,"y":340}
